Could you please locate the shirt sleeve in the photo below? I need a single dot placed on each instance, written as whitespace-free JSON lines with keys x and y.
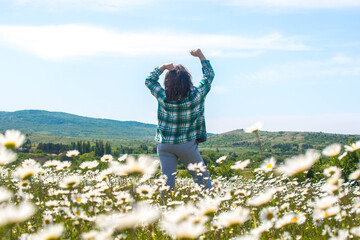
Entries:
{"x":208,"y":75}
{"x":154,"y":86}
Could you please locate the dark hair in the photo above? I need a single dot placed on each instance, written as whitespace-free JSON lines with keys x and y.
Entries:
{"x":177,"y":83}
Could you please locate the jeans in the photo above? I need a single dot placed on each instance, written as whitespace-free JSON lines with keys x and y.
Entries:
{"x":187,"y":153}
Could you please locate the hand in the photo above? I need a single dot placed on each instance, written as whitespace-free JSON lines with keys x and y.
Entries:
{"x":168,"y":66}
{"x":197,"y":53}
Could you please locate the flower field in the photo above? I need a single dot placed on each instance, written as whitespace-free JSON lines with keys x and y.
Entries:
{"x":129,"y":199}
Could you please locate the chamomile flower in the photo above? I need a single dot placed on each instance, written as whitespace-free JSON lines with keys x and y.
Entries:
{"x":72,"y":153}
{"x":268,"y":165}
{"x":197,"y":167}
{"x":71,"y":181}
{"x":333,"y":170}
{"x":332,"y":150}
{"x":221,"y":159}
{"x":298,"y":164}
{"x":355,"y":175}
{"x":238,"y":216}
{"x":269,"y":214}
{"x":123,"y":157}
{"x":12,"y":139}
{"x":89,"y":164}
{"x":106,"y":158}
{"x":145,"y":191}
{"x":5,"y":194}
{"x":262,"y":198}
{"x":52,"y":163}
{"x":11,"y":214}
{"x":6,"y":156}
{"x":51,"y":232}
{"x":353,"y":147}
{"x":240,"y":165}
{"x":254,"y":128}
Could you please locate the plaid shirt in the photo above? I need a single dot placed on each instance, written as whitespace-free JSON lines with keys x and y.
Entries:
{"x":181,"y":121}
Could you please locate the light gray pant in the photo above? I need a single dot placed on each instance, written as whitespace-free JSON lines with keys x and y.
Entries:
{"x":187,"y":153}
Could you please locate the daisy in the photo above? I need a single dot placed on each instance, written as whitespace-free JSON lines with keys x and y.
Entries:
{"x":332,"y":150}
{"x":145,"y":191}
{"x":325,"y":202}
{"x":221,"y":159}
{"x":268,"y":165}
{"x":240,"y":165}
{"x":262,"y":198}
{"x":322,"y":214}
{"x":72,"y":153}
{"x":183,"y":230}
{"x":208,"y":206}
{"x":24,"y":173}
{"x":12,"y":139}
{"x":143,"y":166}
{"x":106,"y":158}
{"x":269,"y":214}
{"x":89,"y":164}
{"x":355,"y":231}
{"x":6,"y":156}
{"x":52,"y":163}
{"x":24,"y":184}
{"x":71,"y":181}
{"x":11,"y":214}
{"x":254,"y":128}
{"x":198,"y":167}
{"x":5,"y":194}
{"x":355,"y":175}
{"x":298,"y":164}
{"x":79,"y":199}
{"x":333,"y":170}
{"x":123,"y":157}
{"x":232,"y":218}
{"x":51,"y":232}
{"x":63,"y":165}
{"x":353,"y":147}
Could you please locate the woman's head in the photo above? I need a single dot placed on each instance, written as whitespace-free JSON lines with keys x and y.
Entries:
{"x":177,"y":83}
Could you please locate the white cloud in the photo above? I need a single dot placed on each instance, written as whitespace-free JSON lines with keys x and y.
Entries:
{"x":345,"y":123}
{"x":73,"y":40}
{"x":302,"y":4}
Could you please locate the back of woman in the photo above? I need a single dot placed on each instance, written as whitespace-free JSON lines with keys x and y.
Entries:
{"x":181,"y":121}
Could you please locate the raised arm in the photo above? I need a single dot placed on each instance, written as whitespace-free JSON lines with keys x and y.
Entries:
{"x":208,"y":73}
{"x":152,"y":80}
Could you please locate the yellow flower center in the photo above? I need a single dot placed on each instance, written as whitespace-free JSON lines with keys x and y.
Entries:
{"x":78,"y":199}
{"x":51,"y":238}
{"x":269,"y":165}
{"x":10,"y":145}
{"x":27,"y":175}
{"x":294,"y":219}
{"x":326,"y":214}
{"x":269,"y":216}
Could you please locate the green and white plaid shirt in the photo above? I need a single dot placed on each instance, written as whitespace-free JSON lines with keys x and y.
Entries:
{"x":181,"y":121}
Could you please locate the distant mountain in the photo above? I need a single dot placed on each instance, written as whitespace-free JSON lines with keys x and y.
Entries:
{"x":70,"y":125}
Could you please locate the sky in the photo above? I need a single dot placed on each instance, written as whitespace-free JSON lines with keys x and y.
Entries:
{"x":293,"y":65}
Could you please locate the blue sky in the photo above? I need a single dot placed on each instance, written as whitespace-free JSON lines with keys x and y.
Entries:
{"x":292,"y":64}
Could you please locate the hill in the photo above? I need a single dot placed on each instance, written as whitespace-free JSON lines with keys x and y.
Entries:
{"x":274,"y":143}
{"x":70,"y":125}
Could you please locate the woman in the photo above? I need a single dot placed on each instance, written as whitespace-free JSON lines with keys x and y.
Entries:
{"x":181,"y":122}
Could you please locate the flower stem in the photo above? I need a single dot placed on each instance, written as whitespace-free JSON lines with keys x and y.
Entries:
{"x":258,"y":139}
